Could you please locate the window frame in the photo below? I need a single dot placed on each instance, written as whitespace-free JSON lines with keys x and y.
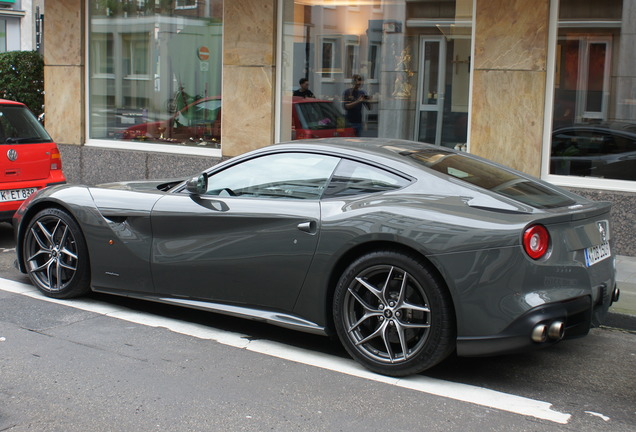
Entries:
{"x":563,"y":180}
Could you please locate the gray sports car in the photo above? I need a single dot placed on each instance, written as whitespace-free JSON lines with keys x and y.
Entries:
{"x":406,"y":251}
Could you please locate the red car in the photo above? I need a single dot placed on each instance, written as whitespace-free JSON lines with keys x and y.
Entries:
{"x":29,"y":159}
{"x":315,"y":118}
{"x":200,"y":122}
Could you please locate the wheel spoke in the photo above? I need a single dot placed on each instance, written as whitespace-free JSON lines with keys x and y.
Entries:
{"x":405,"y":305}
{"x":387,"y":343}
{"x":385,"y":288}
{"x":403,"y":343}
{"x":58,"y":273}
{"x":378,"y":332}
{"x":373,"y":290}
{"x":360,"y":300}
{"x":414,"y":325}
{"x":43,"y":266}
{"x":68,"y":253}
{"x":37,"y":238}
{"x":362,"y":319}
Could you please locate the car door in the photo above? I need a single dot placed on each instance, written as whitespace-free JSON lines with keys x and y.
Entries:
{"x":249,"y":239}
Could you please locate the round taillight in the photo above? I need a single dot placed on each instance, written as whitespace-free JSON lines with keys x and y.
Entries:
{"x":536,"y":241}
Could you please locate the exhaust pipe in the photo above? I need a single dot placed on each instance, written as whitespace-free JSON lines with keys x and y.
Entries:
{"x":556,"y":330}
{"x":539,"y":333}
{"x":615,"y":295}
{"x":542,"y":332}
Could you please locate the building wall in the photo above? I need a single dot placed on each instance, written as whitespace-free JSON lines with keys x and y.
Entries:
{"x":64,"y":98}
{"x":508,"y":96}
{"x":249,"y":46}
{"x":509,"y":82}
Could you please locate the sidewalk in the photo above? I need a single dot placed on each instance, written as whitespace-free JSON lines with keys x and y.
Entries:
{"x":623,"y":313}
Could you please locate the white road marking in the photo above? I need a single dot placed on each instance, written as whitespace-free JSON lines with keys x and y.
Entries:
{"x":457,"y":391}
{"x":592,"y":413}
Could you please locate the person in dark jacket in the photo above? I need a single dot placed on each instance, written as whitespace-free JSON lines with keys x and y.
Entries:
{"x":303,"y":91}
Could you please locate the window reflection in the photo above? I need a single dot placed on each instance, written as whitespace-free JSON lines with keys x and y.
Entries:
{"x":398,"y":48}
{"x":594,"y":119}
{"x":155,"y":71}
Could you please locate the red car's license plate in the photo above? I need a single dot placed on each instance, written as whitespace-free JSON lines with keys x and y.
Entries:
{"x":16,"y":194}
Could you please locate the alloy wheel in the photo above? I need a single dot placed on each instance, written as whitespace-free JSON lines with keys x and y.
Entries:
{"x":387,"y":314}
{"x":51,"y":253}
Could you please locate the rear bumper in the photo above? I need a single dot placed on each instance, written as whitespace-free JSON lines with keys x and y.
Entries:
{"x":578,"y":315}
{"x":8,"y":208}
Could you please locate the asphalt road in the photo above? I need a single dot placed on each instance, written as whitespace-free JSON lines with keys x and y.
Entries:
{"x":113,"y":364}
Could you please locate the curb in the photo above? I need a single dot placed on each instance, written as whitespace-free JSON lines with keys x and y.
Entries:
{"x":620,"y":321}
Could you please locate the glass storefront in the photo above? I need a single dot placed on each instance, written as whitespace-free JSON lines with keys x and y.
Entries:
{"x":155,"y":71}
{"x":398,"y":69}
{"x":594,"y":115}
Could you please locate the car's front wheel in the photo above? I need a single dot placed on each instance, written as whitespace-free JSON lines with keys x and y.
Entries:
{"x":55,"y":254}
{"x":393,"y":315}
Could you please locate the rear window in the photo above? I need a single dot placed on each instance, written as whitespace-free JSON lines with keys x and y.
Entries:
{"x":19,"y":126}
{"x":491,"y":177}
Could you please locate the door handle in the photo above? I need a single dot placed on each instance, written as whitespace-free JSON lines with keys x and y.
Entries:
{"x":308,"y":227}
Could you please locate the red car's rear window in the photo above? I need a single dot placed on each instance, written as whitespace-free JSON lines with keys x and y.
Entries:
{"x":19,"y":126}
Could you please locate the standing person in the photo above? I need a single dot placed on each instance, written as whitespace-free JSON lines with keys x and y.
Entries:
{"x":304,"y":91}
{"x":353,"y":99}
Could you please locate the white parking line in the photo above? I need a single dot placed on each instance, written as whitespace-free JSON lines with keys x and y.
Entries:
{"x":461,"y":392}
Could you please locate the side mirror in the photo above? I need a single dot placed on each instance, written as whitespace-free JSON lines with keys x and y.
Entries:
{"x":198,"y":185}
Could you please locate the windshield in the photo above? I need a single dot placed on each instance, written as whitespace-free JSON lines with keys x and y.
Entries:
{"x":19,"y":126}
{"x":319,"y":115}
{"x":491,"y":177}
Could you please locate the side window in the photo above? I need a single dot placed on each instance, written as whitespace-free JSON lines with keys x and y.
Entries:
{"x":281,"y":175}
{"x":355,"y":178}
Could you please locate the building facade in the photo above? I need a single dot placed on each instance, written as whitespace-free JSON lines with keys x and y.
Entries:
{"x":21,"y":25}
{"x":163,"y":88}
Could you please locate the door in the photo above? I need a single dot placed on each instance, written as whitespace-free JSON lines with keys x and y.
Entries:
{"x":431,"y":90}
{"x":250,"y":239}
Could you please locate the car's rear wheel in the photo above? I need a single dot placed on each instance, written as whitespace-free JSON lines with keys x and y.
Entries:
{"x":393,"y":315}
{"x":55,"y":254}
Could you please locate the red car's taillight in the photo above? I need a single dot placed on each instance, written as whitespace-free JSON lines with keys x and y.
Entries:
{"x":536,"y":241}
{"x":56,"y":160}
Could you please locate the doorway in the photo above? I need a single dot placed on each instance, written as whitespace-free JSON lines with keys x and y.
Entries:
{"x":443,"y":89}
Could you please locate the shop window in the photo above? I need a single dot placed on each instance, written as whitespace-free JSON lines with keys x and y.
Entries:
{"x":155,"y":73}
{"x":328,"y":59}
{"x":594,"y":115}
{"x":186,"y":4}
{"x":331,"y":43}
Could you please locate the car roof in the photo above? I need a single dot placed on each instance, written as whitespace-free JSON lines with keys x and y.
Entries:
{"x":10,"y":102}
{"x":380,"y":150}
{"x":300,"y":99}
{"x":609,"y":127}
{"x":385,"y":147}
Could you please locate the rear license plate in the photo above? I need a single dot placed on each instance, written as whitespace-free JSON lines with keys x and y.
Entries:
{"x":16,"y":194}
{"x":597,"y":253}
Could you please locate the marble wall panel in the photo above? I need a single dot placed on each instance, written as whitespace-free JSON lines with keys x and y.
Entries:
{"x":511,"y":34}
{"x":507,"y":119}
{"x":64,"y":32}
{"x":248,"y":109}
{"x":64,"y":103}
{"x":249,"y":32}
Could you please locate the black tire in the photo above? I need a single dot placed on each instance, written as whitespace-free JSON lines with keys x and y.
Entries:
{"x":393,"y":315}
{"x":55,"y":255}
